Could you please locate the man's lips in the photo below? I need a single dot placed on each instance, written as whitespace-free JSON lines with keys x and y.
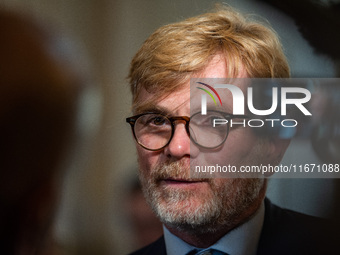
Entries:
{"x":182,"y":182}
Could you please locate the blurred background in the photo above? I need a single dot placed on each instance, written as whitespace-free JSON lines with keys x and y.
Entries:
{"x":101,"y":210}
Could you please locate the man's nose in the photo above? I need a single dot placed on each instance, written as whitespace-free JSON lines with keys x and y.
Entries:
{"x":179,"y":145}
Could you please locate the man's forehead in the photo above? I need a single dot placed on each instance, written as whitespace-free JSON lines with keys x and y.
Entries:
{"x":182,"y":96}
{"x":187,"y":98}
{"x":168,"y":103}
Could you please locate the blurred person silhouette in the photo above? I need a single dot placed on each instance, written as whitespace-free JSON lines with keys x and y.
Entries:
{"x":39,"y":93}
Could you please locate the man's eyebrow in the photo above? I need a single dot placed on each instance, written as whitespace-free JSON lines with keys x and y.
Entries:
{"x":151,"y":107}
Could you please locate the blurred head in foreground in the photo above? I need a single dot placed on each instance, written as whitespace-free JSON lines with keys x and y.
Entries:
{"x":39,"y":91}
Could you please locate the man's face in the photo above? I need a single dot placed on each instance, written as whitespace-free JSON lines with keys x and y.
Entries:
{"x":199,"y":204}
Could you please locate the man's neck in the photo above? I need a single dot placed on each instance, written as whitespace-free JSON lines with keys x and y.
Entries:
{"x":202,"y":240}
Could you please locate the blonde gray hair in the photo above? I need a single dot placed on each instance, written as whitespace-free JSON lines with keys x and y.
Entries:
{"x":176,"y":52}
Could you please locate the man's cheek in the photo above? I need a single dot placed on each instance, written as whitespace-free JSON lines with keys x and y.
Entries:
{"x":143,"y":166}
{"x":146,"y":160}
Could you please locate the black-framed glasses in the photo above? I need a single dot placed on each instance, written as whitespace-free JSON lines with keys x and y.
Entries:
{"x":154,"y":131}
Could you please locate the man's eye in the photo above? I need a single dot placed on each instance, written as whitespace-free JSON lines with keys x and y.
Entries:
{"x":209,"y":120}
{"x":157,"y":120}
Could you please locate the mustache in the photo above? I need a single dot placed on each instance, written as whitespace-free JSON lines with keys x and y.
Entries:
{"x":174,"y":170}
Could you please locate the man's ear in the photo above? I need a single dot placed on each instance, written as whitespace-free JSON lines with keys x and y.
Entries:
{"x":277,"y":148}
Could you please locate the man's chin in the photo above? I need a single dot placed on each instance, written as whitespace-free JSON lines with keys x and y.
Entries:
{"x":185,"y":224}
{"x":189,"y":214}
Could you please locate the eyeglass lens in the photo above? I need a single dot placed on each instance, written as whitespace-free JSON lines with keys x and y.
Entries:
{"x":154,"y":131}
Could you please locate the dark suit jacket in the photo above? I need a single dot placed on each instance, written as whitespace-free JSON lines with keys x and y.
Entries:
{"x":284,"y":232}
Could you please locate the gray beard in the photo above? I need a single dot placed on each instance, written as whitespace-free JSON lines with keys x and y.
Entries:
{"x":218,"y":209}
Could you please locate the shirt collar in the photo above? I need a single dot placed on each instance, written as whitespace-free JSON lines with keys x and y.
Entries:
{"x":242,"y":240}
